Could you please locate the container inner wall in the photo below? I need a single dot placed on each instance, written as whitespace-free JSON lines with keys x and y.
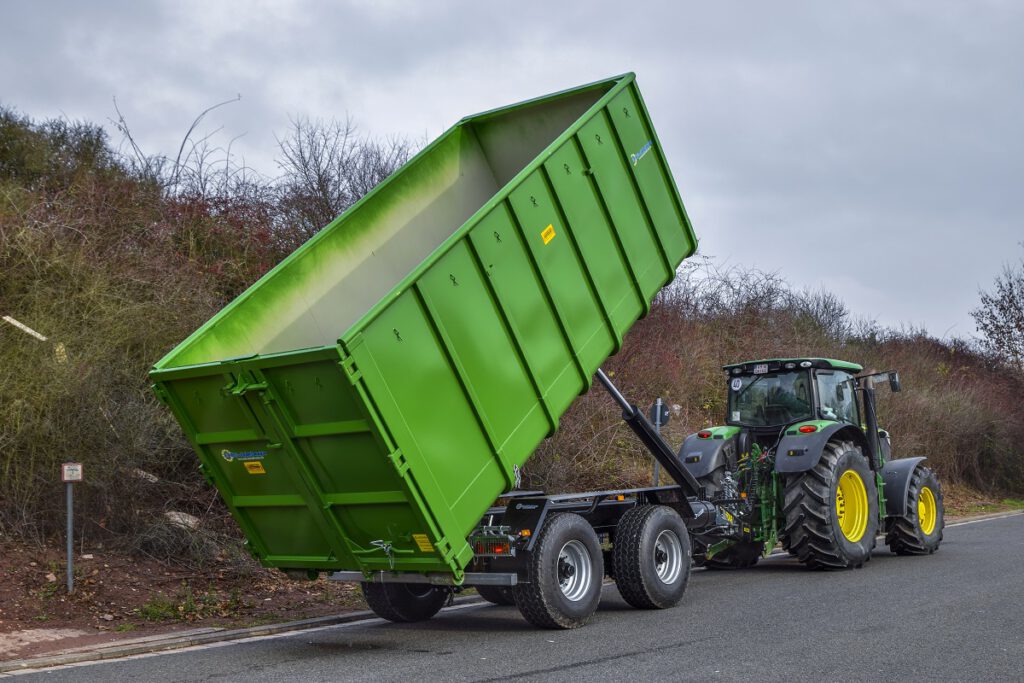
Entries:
{"x":313,"y":297}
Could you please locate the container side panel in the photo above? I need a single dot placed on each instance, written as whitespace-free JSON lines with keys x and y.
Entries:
{"x":614,"y":181}
{"x":521,"y":295}
{"x":651,"y":172}
{"x":551,"y":244}
{"x":602,"y":254}
{"x":408,"y":372}
{"x":476,"y":335}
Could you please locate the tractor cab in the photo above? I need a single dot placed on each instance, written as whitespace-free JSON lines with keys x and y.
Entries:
{"x":766,"y":396}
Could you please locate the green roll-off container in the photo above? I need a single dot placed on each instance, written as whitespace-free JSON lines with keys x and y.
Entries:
{"x":364,"y":403}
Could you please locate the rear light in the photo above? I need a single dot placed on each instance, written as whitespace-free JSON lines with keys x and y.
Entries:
{"x":492,"y":541}
{"x":494,"y":548}
{"x":807,"y":429}
{"x":704,"y":434}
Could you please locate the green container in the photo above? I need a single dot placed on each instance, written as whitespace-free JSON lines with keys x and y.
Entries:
{"x":364,"y":403}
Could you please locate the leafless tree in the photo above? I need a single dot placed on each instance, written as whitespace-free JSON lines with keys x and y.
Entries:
{"x":1000,"y":317}
{"x":327,"y":166}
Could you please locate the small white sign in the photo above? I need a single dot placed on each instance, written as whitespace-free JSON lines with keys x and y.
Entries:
{"x":71,"y":471}
{"x":737,"y":383}
{"x":760,"y":368}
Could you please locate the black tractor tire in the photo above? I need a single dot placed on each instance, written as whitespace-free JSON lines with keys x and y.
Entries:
{"x":813,"y":521}
{"x":905,"y":535}
{"x":499,"y":595}
{"x":404,"y":602}
{"x":565,"y":573}
{"x":736,"y":556}
{"x":651,"y":556}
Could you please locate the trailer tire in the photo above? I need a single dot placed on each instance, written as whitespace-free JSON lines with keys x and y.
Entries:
{"x":565,"y":572}
{"x":831,"y":510}
{"x":499,"y":595}
{"x":737,"y":556}
{"x":919,"y":531}
{"x":651,"y":556}
{"x":404,"y":602}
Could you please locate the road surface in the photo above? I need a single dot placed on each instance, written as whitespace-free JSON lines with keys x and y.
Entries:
{"x":956,"y":615}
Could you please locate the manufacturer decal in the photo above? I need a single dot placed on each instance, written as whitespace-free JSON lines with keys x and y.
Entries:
{"x":242,"y":456}
{"x":526,"y":506}
{"x":548,"y":233}
{"x":254,"y":467}
{"x":635,"y":158}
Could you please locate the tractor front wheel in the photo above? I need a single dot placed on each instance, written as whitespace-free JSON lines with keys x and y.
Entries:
{"x":832,"y":510}
{"x":919,"y":531}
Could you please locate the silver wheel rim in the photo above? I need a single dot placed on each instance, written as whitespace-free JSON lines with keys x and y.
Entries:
{"x":668,"y":556}
{"x":575,"y":570}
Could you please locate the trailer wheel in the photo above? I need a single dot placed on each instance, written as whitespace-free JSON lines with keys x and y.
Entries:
{"x":404,"y":602}
{"x":919,"y":531}
{"x":832,"y":510}
{"x":651,"y":557}
{"x":499,"y":595}
{"x":565,"y":572}
{"x":736,"y":556}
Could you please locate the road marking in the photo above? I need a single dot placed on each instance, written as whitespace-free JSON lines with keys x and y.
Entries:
{"x":226,"y":643}
{"x":986,"y":519}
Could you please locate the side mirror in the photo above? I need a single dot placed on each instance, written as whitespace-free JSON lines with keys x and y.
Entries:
{"x":894,"y":382}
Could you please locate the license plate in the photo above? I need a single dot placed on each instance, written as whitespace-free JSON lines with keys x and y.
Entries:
{"x":760,"y":368}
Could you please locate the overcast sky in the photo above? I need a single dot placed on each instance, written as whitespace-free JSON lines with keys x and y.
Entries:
{"x":872,"y":149}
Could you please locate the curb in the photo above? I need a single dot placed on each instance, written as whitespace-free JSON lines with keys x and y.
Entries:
{"x":178,"y":641}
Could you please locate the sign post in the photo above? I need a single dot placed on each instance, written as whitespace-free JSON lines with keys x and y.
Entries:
{"x":71,"y":472}
{"x":659,"y":416}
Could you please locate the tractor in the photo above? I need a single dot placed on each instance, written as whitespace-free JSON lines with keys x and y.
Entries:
{"x":801,"y":461}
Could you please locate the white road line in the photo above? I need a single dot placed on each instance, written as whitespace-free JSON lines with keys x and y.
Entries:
{"x":225,"y":643}
{"x":986,"y":519}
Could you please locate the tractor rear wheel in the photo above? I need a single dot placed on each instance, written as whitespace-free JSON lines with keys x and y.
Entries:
{"x":919,"y":531}
{"x":651,"y":557}
{"x":565,"y":572}
{"x":404,"y":602}
{"x":832,"y":510}
{"x":736,"y":556}
{"x":499,"y":595}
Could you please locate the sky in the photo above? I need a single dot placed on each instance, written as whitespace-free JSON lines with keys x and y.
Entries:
{"x":871,"y":149}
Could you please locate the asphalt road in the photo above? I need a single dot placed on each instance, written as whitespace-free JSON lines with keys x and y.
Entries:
{"x":956,"y":615}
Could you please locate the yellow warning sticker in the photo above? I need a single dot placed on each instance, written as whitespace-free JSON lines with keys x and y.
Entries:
{"x":423,"y":542}
{"x":548,"y":233}
{"x":254,"y":467}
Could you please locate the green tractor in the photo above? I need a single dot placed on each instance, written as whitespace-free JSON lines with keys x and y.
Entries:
{"x":801,"y":461}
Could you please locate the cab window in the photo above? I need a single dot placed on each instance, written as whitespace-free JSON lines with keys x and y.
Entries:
{"x":836,"y":397}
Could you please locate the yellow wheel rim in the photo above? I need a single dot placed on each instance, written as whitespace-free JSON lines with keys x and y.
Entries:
{"x":927,"y":511}
{"x":852,"y":506}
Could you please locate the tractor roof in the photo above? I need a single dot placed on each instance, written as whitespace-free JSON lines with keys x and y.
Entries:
{"x":778,"y":364}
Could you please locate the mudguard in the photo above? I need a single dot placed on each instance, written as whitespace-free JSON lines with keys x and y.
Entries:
{"x":801,"y":452}
{"x":701,"y":457}
{"x":896,"y":477}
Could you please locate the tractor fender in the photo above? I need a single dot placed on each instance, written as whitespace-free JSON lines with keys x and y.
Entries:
{"x":801,"y":452}
{"x":701,"y":457}
{"x":896,"y":475}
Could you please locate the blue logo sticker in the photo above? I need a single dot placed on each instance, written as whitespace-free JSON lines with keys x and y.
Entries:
{"x":243,"y":456}
{"x":635,"y":158}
